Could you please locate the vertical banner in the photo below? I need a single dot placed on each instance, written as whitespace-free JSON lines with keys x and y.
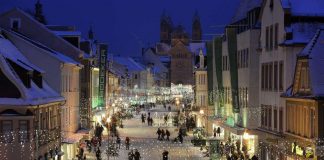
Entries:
{"x":102,"y":74}
{"x":232,"y":52}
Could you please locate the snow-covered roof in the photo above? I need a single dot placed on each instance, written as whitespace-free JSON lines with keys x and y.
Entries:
{"x":304,"y":7}
{"x":162,"y":47}
{"x":61,"y":57}
{"x":243,"y":8}
{"x":131,"y":64}
{"x":29,"y":96}
{"x":315,"y":54}
{"x":302,"y":33}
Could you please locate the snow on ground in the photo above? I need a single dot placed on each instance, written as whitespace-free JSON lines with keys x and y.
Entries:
{"x":144,"y":139}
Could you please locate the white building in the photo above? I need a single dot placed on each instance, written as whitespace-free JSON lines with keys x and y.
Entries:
{"x":286,"y":26}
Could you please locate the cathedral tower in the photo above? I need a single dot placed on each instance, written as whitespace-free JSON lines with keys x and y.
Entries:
{"x":196,"y":28}
{"x":165,"y":28}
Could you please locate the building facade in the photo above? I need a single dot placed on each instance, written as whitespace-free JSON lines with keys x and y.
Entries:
{"x":29,"y":108}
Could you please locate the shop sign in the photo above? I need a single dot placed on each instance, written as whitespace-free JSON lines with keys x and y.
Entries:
{"x":307,"y":152}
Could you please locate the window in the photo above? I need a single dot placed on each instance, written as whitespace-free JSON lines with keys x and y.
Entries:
{"x":266,"y":77}
{"x":6,"y":131}
{"x":135,"y":77}
{"x":262,"y":77}
{"x":281,"y":74}
{"x":266,"y":116}
{"x":262,"y":116}
{"x":270,"y":117}
{"x":271,"y":37}
{"x":304,"y":78}
{"x":15,"y":23}
{"x":280,"y":119}
{"x":271,"y":5}
{"x":276,"y":35}
{"x":275,"y":116}
{"x":23,"y":131}
{"x":270,"y":75}
{"x":275,"y":76}
{"x":247,"y":58}
{"x":267,"y":38}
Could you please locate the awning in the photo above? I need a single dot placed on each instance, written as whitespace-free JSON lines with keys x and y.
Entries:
{"x":73,"y":138}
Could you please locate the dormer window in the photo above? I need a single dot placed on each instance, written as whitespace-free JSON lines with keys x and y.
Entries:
{"x":304,"y":86}
{"x":15,"y":24}
{"x":271,"y":5}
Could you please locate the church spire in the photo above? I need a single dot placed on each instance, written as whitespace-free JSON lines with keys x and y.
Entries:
{"x":39,"y":12}
{"x":196,"y":28}
{"x":90,"y":33}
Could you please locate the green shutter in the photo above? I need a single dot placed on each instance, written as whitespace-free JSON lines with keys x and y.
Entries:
{"x":232,"y":50}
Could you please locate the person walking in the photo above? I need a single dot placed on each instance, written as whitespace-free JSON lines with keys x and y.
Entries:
{"x":215,"y":131}
{"x":98,"y":154}
{"x":162,"y":134}
{"x":165,"y":119}
{"x":165,"y":155}
{"x":218,"y":131}
{"x":180,"y":137}
{"x":158,"y":132}
{"x":143,"y":118}
{"x":118,"y":141}
{"x":167,"y":134}
{"x":137,"y":155}
{"x":127,"y":142}
{"x":148,"y":120}
{"x":130,"y":155}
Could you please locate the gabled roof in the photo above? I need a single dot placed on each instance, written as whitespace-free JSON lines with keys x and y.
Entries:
{"x":29,"y":96}
{"x":59,"y":56}
{"x":130,"y":63}
{"x":302,"y":33}
{"x":314,"y":53}
{"x":244,"y":7}
{"x":304,"y":7}
{"x":56,"y":43}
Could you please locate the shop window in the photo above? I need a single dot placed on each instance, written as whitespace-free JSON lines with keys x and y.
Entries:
{"x":23,"y":131}
{"x":6,"y":131}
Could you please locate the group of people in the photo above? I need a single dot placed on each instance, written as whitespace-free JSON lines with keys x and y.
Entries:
{"x":134,"y":155}
{"x":165,"y":107}
{"x":161,"y":134}
{"x":149,"y":119}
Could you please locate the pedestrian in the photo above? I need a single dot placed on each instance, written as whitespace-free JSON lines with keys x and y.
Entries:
{"x":165,"y":155}
{"x":164,"y":106}
{"x":118,"y":141}
{"x":218,"y":131}
{"x":137,"y":155}
{"x":162,"y":134}
{"x":98,"y":154}
{"x":130,"y":155}
{"x":148,"y":120}
{"x":165,"y":119}
{"x":215,"y":131}
{"x":143,"y":118}
{"x":158,"y":132}
{"x":169,"y":108}
{"x":151,"y":121}
{"x":167,"y":134}
{"x":127,"y":142}
{"x":180,"y":137}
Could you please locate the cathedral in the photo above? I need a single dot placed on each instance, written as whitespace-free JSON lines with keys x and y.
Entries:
{"x":176,"y":43}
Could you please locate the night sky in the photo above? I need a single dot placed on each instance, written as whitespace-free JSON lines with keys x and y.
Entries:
{"x":129,"y":25}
